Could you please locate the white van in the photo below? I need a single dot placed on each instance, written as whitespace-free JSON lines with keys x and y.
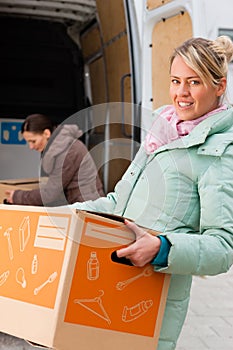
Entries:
{"x":104,"y":61}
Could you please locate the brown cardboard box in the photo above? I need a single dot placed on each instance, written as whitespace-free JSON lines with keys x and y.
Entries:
{"x":18,"y":184}
{"x":60,"y":288}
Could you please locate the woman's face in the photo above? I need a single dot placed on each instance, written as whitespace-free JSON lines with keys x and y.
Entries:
{"x":190,"y":97}
{"x":37,"y":141}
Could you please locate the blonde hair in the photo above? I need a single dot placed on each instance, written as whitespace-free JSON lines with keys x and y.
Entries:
{"x":208,"y":58}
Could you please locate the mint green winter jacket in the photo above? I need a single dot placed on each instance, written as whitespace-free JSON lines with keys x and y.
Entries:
{"x":184,"y":190}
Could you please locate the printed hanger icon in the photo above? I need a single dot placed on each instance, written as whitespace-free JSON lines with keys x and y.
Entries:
{"x":86,"y":303}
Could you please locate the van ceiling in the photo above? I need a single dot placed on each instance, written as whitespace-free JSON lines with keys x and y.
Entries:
{"x":71,"y":11}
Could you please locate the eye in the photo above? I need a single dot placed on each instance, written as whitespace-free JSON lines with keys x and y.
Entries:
{"x":175,"y":81}
{"x":194,"y":82}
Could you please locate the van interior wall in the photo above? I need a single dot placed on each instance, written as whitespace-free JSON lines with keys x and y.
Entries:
{"x":41,"y":69}
{"x":106,"y":54}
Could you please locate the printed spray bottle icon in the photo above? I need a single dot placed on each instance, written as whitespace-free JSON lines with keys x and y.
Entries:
{"x":93,"y":267}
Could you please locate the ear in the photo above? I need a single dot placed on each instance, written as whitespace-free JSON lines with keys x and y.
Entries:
{"x":47,"y":133}
{"x":221,"y":88}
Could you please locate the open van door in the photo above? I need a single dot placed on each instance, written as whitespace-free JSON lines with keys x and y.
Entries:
{"x":166,"y":25}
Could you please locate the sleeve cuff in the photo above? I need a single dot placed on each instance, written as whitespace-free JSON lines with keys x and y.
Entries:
{"x":162,"y":256}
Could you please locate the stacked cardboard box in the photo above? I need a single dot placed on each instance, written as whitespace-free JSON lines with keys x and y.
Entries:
{"x":18,"y":184}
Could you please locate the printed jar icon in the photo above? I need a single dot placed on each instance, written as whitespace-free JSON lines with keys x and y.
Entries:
{"x":93,"y":267}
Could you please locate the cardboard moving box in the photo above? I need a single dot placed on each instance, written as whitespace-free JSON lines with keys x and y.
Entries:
{"x":60,"y":286}
{"x":19,"y":184}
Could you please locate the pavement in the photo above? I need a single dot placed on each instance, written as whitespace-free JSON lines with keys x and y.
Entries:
{"x":208,"y":325}
{"x":209,"y":322}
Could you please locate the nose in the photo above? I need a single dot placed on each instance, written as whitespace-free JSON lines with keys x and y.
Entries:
{"x":31,"y":146}
{"x":183,"y":89}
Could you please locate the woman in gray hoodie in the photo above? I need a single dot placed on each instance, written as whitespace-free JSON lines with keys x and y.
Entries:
{"x":65,"y":161}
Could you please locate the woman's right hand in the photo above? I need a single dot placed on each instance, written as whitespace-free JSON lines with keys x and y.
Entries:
{"x":9,"y":194}
{"x":143,"y":250}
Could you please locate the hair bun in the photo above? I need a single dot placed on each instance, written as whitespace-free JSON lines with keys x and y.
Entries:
{"x":226,"y":45}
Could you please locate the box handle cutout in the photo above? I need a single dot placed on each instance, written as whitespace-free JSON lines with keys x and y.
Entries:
{"x":123,"y":260}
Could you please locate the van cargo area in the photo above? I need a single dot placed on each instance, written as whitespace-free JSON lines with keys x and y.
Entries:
{"x":41,"y":69}
{"x":64,"y":57}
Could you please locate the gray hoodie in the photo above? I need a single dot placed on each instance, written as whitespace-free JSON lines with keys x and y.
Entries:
{"x":71,"y":171}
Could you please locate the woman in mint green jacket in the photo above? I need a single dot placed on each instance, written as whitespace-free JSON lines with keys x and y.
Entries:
{"x":180,"y":183}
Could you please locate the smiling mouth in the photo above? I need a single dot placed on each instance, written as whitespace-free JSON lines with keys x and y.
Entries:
{"x":184,"y":104}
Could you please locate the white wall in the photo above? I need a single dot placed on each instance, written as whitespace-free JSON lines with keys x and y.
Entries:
{"x":215,"y":15}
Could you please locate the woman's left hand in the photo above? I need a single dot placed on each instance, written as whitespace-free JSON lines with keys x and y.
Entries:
{"x":143,"y":250}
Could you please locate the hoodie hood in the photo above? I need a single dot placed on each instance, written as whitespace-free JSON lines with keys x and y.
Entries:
{"x":60,"y":142}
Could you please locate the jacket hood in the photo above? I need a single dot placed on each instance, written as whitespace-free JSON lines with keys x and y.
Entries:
{"x":60,"y":141}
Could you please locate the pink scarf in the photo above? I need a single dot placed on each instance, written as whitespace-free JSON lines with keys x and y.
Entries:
{"x":167,"y":127}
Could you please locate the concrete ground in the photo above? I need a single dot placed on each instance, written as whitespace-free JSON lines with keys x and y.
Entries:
{"x":209,"y":323}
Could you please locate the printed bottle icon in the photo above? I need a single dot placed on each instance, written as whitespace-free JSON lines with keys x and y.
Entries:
{"x":93,"y":267}
{"x":34,"y":265}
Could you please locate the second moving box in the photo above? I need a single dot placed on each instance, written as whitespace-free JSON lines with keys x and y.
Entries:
{"x":61,"y":288}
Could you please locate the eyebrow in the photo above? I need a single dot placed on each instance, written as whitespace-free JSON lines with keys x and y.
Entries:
{"x":191,"y":77}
